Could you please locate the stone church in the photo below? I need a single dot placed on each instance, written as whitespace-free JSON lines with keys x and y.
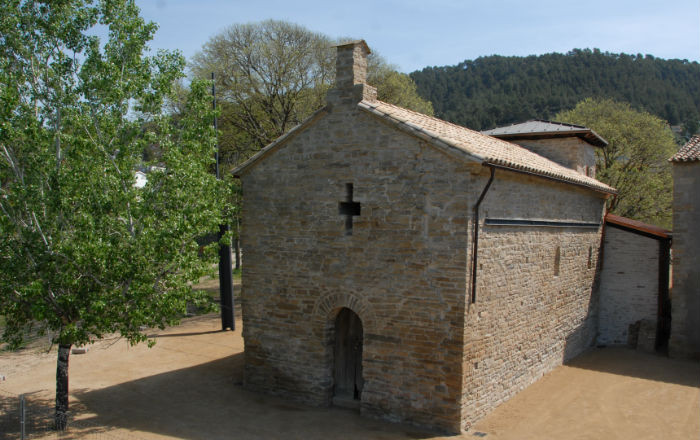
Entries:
{"x":409,"y":267}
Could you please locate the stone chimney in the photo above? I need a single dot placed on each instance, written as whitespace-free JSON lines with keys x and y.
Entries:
{"x":351,"y":75}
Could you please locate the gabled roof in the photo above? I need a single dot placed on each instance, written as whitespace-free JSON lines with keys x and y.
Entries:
{"x":637,"y":226}
{"x":477,"y":147}
{"x":689,"y":152}
{"x":539,"y":128}
{"x":452,"y":139}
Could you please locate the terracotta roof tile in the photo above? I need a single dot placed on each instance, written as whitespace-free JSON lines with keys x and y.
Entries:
{"x":689,"y":152}
{"x":477,"y":146}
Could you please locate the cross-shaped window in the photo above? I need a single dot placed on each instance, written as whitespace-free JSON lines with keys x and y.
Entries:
{"x":349,"y":208}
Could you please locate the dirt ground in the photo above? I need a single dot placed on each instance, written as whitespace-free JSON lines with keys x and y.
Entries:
{"x":188,"y":386}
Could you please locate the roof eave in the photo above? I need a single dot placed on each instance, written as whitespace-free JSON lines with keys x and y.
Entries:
{"x":521,"y":170}
{"x":589,"y":136}
{"x":637,"y":226}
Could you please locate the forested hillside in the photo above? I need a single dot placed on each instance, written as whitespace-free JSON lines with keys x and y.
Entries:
{"x":497,"y":90}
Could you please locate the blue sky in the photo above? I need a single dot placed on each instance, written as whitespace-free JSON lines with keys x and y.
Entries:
{"x":413,"y":34}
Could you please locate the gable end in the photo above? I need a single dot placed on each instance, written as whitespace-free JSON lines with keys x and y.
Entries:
{"x":279,"y":142}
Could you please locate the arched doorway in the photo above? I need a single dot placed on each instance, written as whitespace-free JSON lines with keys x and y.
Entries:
{"x":347,"y":359}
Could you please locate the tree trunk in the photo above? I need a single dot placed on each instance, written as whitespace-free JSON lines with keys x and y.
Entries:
{"x":61,"y":416}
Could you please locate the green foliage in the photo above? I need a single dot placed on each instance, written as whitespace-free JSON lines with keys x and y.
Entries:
{"x":269,"y":77}
{"x":496,"y":90}
{"x":83,"y":252}
{"x":395,"y":87}
{"x":635,"y":162}
{"x":272,"y":75}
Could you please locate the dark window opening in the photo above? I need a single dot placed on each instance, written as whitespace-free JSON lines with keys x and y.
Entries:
{"x":349,"y":208}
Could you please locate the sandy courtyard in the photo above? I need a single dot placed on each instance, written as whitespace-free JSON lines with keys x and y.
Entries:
{"x":189,"y":386}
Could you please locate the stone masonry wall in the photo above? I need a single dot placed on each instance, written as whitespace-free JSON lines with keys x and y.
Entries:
{"x":529,"y":316}
{"x":572,"y":152}
{"x":629,"y":284}
{"x":402,"y":265}
{"x":402,"y":270}
{"x":685,"y":294}
{"x":428,"y":359}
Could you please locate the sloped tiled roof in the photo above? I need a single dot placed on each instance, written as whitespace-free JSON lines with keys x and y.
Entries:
{"x":477,"y":146}
{"x":541,"y":128}
{"x":689,"y":152}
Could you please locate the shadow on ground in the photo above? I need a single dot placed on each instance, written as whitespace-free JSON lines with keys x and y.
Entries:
{"x":208,"y":401}
{"x":628,"y":362}
{"x":178,"y":335}
{"x":39,"y":420}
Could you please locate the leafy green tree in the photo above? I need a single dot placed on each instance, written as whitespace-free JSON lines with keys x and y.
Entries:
{"x":272,"y":75}
{"x":269,"y":77}
{"x":635,"y":160}
{"x":395,"y":87}
{"x":690,"y":127}
{"x":83,"y":251}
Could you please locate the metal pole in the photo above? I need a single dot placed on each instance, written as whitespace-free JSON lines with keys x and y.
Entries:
{"x":225,"y":275}
{"x":22,"y":414}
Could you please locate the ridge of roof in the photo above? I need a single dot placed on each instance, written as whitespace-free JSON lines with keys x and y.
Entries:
{"x":478,"y":147}
{"x":690,"y":152}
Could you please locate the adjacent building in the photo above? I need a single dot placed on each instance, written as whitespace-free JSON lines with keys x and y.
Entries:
{"x":685,"y":326}
{"x":635,"y":307}
{"x":570,"y":145}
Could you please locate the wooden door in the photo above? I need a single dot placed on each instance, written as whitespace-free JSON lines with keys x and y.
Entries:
{"x":348,"y":356}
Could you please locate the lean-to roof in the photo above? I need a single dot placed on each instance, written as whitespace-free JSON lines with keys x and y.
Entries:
{"x":637,"y":226}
